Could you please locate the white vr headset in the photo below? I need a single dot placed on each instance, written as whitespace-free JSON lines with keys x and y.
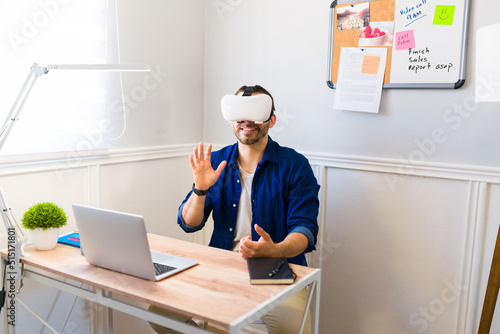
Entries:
{"x":256,"y":108}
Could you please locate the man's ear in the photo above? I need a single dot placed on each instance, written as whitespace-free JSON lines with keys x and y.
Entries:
{"x":272,"y":121}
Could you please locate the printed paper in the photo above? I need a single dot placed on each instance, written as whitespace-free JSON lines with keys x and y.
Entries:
{"x":359,"y":83}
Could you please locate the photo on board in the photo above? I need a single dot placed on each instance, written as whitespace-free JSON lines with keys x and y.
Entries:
{"x":353,"y":16}
{"x":377,"y":34}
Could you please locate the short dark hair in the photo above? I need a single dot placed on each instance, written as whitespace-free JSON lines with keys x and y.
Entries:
{"x":260,"y":90}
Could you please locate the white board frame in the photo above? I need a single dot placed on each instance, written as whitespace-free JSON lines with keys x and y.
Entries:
{"x":433,"y":85}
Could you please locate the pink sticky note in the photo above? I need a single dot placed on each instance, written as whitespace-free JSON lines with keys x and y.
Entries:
{"x":404,"y":40}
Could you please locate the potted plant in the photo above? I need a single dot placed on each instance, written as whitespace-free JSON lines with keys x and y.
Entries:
{"x":44,"y":220}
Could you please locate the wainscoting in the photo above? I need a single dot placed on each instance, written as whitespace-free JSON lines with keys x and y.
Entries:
{"x":404,"y":248}
{"x":151,"y":182}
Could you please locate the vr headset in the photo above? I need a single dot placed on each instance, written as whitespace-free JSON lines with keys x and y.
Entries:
{"x":257,"y":108}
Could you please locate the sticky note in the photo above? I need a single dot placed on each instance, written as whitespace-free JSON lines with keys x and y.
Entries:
{"x":370,"y":64}
{"x":444,"y":15}
{"x":405,"y":40}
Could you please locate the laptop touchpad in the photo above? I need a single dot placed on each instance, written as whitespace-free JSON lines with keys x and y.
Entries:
{"x":161,"y":258}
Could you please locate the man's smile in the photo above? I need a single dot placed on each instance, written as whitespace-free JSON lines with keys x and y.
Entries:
{"x":248,"y":128}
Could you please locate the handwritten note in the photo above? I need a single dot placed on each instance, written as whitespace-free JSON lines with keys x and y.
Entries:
{"x":434,"y":54}
{"x":405,"y":40}
{"x":370,"y":64}
{"x":413,"y":11}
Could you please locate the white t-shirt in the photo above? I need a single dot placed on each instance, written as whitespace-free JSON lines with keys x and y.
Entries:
{"x":244,"y":219}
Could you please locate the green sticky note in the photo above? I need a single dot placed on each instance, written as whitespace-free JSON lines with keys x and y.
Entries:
{"x":444,"y":15}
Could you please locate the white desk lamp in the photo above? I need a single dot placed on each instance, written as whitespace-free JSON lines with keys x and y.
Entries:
{"x":35,"y":72}
{"x":15,"y":236}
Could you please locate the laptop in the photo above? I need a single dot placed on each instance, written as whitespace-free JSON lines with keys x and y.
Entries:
{"x":117,"y":241}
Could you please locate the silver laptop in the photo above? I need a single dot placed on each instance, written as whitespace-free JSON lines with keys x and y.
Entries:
{"x":117,"y":241}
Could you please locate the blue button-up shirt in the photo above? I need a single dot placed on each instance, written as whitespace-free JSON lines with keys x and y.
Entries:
{"x":284,"y":198}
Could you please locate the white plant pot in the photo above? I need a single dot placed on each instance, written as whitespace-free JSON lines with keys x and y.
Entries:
{"x":45,"y":239}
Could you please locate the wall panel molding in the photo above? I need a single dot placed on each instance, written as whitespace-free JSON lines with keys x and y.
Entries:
{"x":470,"y":306}
{"x":12,"y":165}
{"x":404,"y":168}
{"x":58,"y":162}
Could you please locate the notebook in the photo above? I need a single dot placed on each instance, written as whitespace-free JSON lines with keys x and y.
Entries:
{"x":270,"y":270}
{"x":117,"y":241}
{"x":70,"y":239}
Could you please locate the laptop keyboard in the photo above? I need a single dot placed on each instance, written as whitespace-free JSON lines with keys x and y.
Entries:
{"x":161,"y":268}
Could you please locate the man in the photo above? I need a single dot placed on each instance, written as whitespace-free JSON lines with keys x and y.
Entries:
{"x":264,"y":203}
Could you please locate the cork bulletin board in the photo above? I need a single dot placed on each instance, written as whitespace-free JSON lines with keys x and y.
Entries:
{"x":426,"y":39}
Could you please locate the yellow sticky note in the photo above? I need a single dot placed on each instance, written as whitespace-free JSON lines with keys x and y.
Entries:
{"x":370,"y":64}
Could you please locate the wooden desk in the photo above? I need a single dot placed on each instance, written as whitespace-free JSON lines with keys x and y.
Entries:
{"x":217,"y":290}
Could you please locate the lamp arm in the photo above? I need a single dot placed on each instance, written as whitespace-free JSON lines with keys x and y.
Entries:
{"x":35,"y":72}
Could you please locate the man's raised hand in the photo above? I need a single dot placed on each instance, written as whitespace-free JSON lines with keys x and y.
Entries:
{"x":204,"y":175}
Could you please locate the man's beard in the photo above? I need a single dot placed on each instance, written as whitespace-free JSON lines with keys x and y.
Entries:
{"x":253,"y":137}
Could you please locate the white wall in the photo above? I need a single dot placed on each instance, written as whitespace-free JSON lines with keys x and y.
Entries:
{"x":146,"y":170}
{"x":283,"y":45}
{"x":162,"y":107}
{"x":404,"y":217}
{"x":169,"y":36}
{"x":395,"y":252}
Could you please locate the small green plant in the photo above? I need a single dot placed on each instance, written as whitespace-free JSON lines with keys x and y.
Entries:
{"x":44,"y":215}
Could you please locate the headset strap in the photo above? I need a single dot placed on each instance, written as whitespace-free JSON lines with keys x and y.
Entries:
{"x":248,"y":91}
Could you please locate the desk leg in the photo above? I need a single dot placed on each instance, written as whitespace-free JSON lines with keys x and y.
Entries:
{"x":6,"y":329}
{"x":315,"y":308}
{"x":5,"y":326}
{"x":109,"y":317}
{"x":312,"y":306}
{"x":8,"y":302}
{"x":103,"y":315}
{"x":92,"y":315}
{"x":98,"y":313}
{"x":4,"y":323}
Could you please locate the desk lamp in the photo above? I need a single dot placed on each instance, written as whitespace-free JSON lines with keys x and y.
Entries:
{"x":37,"y":71}
{"x":15,"y":236}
